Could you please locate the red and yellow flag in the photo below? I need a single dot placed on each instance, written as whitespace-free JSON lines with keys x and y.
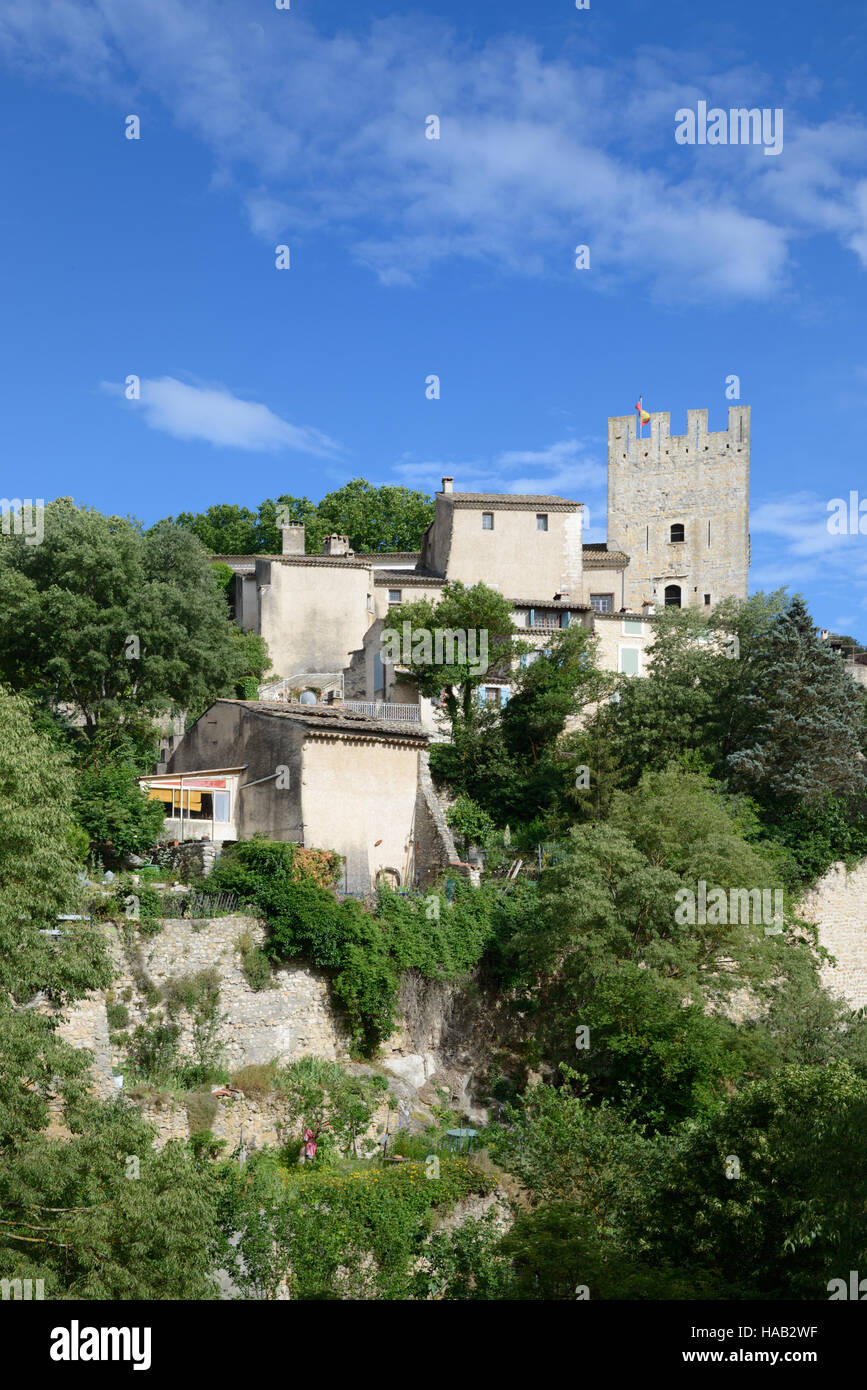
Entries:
{"x":643,"y":415}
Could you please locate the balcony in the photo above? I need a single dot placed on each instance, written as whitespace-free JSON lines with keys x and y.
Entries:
{"x":384,"y":709}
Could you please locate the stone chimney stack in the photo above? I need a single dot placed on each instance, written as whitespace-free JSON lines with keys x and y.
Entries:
{"x":293,"y":539}
{"x":336,"y":545}
{"x":448,"y":484}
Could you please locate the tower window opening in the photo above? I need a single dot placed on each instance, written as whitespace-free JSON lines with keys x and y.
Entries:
{"x":672,"y":596}
{"x":677,"y":532}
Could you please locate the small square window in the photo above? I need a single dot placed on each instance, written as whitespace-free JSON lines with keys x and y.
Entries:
{"x":629,"y":661}
{"x":602,"y":603}
{"x":394,"y":595}
{"x":707,"y":600}
{"x":541,"y":521}
{"x":633,"y":627}
{"x":487,"y":521}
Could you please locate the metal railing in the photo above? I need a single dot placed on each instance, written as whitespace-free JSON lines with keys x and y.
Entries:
{"x":383,"y":709}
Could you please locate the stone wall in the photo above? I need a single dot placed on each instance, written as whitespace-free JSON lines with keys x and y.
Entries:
{"x":293,"y":1019}
{"x":838,"y":906}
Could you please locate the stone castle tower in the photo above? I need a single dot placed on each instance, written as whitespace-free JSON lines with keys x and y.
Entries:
{"x":678,"y":506}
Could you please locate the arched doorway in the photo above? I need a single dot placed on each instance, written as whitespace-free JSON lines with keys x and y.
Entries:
{"x":672,"y":596}
{"x":388,"y":878}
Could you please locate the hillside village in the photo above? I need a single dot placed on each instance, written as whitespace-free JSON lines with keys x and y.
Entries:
{"x":354,"y":767}
{"x":364,"y":962}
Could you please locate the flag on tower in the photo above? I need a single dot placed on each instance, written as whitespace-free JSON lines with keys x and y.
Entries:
{"x":643,"y":415}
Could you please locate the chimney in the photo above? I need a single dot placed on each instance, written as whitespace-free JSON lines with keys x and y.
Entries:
{"x":293,"y":539}
{"x":336,"y":545}
{"x":448,"y":484}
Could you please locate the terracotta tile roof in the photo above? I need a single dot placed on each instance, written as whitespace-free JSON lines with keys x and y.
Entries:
{"x":598,"y":556}
{"x":511,"y":501}
{"x":331,"y":719}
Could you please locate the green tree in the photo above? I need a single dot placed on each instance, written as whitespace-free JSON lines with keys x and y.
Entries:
{"x":376,"y":518}
{"x":482,"y":617}
{"x":224,"y":529}
{"x":106,"y":624}
{"x":805,"y":719}
{"x":769,"y":1191}
{"x":115,"y":813}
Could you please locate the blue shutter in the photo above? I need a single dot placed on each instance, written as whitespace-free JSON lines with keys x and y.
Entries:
{"x":565,"y":618}
{"x":504,"y":696}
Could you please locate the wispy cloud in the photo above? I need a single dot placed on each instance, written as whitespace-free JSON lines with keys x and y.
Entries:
{"x":791,"y":538}
{"x":562,"y":469}
{"x":536,"y":154}
{"x":213,"y":414}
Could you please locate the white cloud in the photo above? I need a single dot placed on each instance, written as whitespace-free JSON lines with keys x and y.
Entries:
{"x":536,"y":154}
{"x":213,"y":414}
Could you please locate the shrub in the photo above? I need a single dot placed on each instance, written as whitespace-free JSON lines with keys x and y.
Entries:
{"x":257,"y":1080}
{"x":364,"y":952}
{"x":118,"y":1015}
{"x":255,"y":966}
{"x":152,"y":1050}
{"x":201,"y":1108}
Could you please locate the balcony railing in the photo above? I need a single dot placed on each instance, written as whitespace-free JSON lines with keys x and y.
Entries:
{"x":384,"y":709}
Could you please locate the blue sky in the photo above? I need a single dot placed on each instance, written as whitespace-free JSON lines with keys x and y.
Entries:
{"x":411,"y":257}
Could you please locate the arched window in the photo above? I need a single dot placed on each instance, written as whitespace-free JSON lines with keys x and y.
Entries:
{"x":672,"y":595}
{"x":677,"y":531}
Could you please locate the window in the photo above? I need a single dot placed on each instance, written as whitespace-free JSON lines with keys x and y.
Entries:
{"x":221,"y":806}
{"x":487,"y":521}
{"x":628,"y":664}
{"x":677,"y":532}
{"x":541,"y":521}
{"x":707,"y":600}
{"x":672,"y":596}
{"x":394,"y":595}
{"x":602,"y":603}
{"x":544,"y":617}
{"x":633,"y":627}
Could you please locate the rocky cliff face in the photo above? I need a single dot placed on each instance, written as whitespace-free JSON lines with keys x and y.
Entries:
{"x":439,"y":1052}
{"x":434,"y":1056}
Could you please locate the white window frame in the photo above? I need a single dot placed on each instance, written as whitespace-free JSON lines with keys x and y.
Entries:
{"x":601,"y":610}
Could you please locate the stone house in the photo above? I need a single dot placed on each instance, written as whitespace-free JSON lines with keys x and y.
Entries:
{"x":317,"y":775}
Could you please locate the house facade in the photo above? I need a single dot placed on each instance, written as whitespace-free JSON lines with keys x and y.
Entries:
{"x":316,"y":775}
